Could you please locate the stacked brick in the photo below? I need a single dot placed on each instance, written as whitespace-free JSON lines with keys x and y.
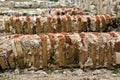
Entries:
{"x":61,"y":23}
{"x":60,"y":50}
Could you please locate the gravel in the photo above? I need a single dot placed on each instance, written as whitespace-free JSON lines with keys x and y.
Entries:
{"x":62,"y":74}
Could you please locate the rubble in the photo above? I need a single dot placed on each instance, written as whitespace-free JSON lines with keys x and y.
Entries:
{"x":105,"y":7}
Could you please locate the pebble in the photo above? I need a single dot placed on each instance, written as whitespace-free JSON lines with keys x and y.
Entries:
{"x":17,"y":71}
{"x":96,"y":72}
{"x":79,"y":72}
{"x":113,"y":75}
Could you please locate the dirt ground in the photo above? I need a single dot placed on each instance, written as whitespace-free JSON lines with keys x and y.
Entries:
{"x":62,"y":74}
